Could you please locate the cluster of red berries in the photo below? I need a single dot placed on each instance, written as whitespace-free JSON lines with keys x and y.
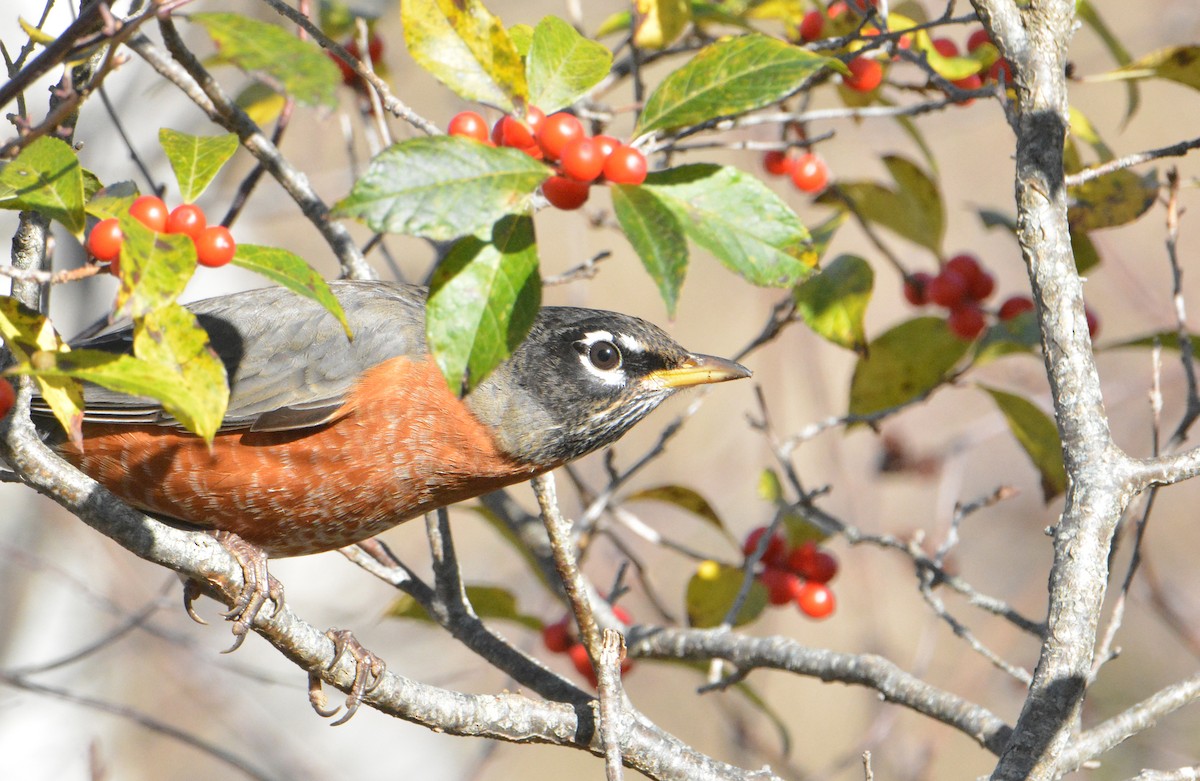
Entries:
{"x":560,"y":139}
{"x":374,"y":48}
{"x":807,"y":170}
{"x":214,"y":243}
{"x":961,"y":287}
{"x":8,"y":397}
{"x":560,"y":638}
{"x":948,"y":48}
{"x":800,"y":574}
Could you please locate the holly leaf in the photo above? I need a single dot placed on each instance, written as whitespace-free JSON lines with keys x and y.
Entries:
{"x":833,"y":302}
{"x":442,"y":187}
{"x":483,"y":298}
{"x":291,"y":271}
{"x":710,"y":595}
{"x":729,"y":78}
{"x":904,"y":364}
{"x":155,"y":267}
{"x":562,"y":64}
{"x":296,"y":66}
{"x":657,"y":236}
{"x":489,"y":603}
{"x":1037,"y":435}
{"x":1114,"y":199}
{"x":913,"y":209}
{"x":660,"y":22}
{"x":466,"y":48}
{"x":737,"y":218}
{"x":27,"y":333}
{"x":196,"y":159}
{"x":46,"y":177}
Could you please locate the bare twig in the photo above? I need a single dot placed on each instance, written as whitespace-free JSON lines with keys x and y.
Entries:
{"x":608,"y":674}
{"x":1128,"y":161}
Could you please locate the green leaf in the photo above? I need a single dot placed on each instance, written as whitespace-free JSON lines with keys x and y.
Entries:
{"x":261,"y":102}
{"x":171,"y":339}
{"x":466,"y":48}
{"x":155,"y":267}
{"x":737,"y":218}
{"x":489,"y":603}
{"x":656,"y":234}
{"x":111,"y":201}
{"x":1020,"y":335}
{"x":729,"y":78}
{"x":1168,"y":340}
{"x":949,"y":68}
{"x":1086,"y":255}
{"x":1088,"y":15}
{"x":1180,"y":64}
{"x":685,"y":499}
{"x":904,"y":364}
{"x":913,"y":209}
{"x":46,"y":178}
{"x":442,"y":187}
{"x":296,"y":66}
{"x":823,"y":234}
{"x":521,"y":36}
{"x":563,"y":65}
{"x":196,"y":159}
{"x":1038,"y":435}
{"x":710,"y":595}
{"x":833,"y":302}
{"x":483,"y":298}
{"x":291,"y":271}
{"x":27,"y":333}
{"x":1114,"y":199}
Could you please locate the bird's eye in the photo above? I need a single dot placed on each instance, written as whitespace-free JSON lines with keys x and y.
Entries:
{"x":604,"y":356}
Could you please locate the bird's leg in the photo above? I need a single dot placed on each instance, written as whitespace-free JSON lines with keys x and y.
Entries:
{"x":368,"y":673}
{"x":258,"y":586}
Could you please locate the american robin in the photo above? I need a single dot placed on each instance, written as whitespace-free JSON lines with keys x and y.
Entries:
{"x":328,"y":441}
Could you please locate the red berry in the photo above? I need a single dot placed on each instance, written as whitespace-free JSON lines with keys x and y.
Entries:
{"x":916,"y":288}
{"x":776,"y":552}
{"x":1093,"y":322}
{"x":836,"y":9}
{"x":815,"y":600}
{"x":468,"y":124}
{"x":811,"y":563}
{"x":565,"y":193}
{"x":583,"y":662}
{"x":810,"y":173}
{"x":947,"y":289}
{"x":557,"y":637}
{"x":977,"y":39}
{"x":812,"y":26}
{"x":778,"y":163}
{"x":607,"y":144}
{"x":581,"y":160}
{"x":625,"y":165}
{"x":556,"y":131}
{"x":964,"y":264}
{"x":150,"y":211}
{"x":861,"y":7}
{"x":622,"y":615}
{"x":188,"y":219}
{"x":8,"y":397}
{"x":1000,"y":67}
{"x":104,"y":242}
{"x":971,"y":82}
{"x":520,"y":134}
{"x":980,"y":284}
{"x":781,"y":585}
{"x":1014,"y":306}
{"x":214,"y":246}
{"x":966,"y":322}
{"x":945,"y":47}
{"x":865,"y":74}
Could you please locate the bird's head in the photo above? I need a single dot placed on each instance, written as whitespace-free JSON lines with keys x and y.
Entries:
{"x":581,"y":379}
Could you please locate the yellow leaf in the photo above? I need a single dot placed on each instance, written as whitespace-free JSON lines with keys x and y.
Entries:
{"x":660,"y":22}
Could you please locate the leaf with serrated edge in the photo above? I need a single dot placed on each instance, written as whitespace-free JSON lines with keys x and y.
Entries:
{"x":291,"y":271}
{"x":656,"y":235}
{"x":196,"y":159}
{"x":1037,"y":435}
{"x":737,"y":218}
{"x":730,"y":78}
{"x":155,"y":267}
{"x":711,"y":591}
{"x":466,"y":48}
{"x":297,"y":66}
{"x":46,"y":177}
{"x":442,"y":187}
{"x":26,"y":332}
{"x":483,"y":298}
{"x":833,"y":302}
{"x":903,"y":364}
{"x":563,"y":65}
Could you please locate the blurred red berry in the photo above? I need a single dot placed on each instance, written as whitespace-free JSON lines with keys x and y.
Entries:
{"x":583,"y":662}
{"x":1093,"y":322}
{"x":865,"y":74}
{"x":150,"y":211}
{"x":837,"y":9}
{"x":811,"y":563}
{"x":945,"y":47}
{"x":1014,"y":306}
{"x":776,"y":552}
{"x":781,"y":585}
{"x":966,"y":322}
{"x":778,"y":162}
{"x":566,"y":194}
{"x":916,"y":288}
{"x":811,"y":26}
{"x":810,"y":173}
{"x":8,"y":397}
{"x":468,"y":124}
{"x":557,"y":636}
{"x":977,"y":39}
{"x":947,"y":289}
{"x":815,"y":600}
{"x":1000,"y":68}
{"x":972,"y":82}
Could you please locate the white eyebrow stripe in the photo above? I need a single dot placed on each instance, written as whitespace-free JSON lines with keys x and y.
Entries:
{"x":631,"y":343}
{"x":591,"y":337}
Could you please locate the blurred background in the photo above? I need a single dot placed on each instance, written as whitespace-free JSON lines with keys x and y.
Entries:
{"x":63,"y":587}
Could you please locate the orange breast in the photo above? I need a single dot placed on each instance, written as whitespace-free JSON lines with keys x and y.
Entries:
{"x":407,"y":445}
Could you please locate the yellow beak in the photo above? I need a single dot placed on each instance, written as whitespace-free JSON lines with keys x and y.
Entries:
{"x":698,"y":370}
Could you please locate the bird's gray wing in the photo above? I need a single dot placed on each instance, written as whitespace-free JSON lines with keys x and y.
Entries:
{"x":289,"y":363}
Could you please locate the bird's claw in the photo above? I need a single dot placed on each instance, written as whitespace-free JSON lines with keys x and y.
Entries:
{"x":258,"y":586}
{"x":368,"y":674}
